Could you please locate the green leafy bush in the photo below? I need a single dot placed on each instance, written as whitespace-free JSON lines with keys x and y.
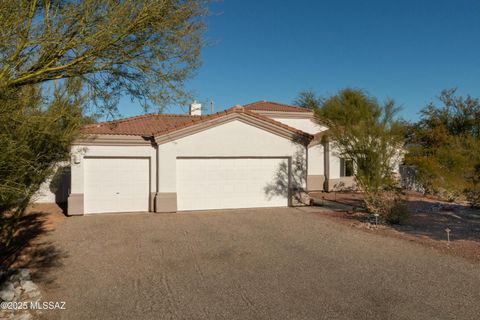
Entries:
{"x":472,"y":192}
{"x":34,"y":137}
{"x":444,"y":148}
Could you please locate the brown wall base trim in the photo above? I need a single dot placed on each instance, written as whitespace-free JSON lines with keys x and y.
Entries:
{"x":315,"y":182}
{"x":75,"y":204}
{"x":151,"y":201}
{"x":342,"y":184}
{"x":166,"y":202}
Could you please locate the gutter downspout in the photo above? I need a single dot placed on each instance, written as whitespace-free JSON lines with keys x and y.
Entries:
{"x":326,"y":158}
{"x":157,"y":182}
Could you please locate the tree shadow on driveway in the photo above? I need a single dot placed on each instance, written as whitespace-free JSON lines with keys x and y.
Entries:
{"x":31,"y":247}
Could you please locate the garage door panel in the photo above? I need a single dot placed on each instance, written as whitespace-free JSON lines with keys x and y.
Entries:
{"x":220,"y":183}
{"x":116,"y":184}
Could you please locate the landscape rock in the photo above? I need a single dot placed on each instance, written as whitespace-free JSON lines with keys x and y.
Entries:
{"x":20,"y":275}
{"x":14,"y":277}
{"x":33,"y":295}
{"x":18,"y":292}
{"x":4,"y":314}
{"x":24,"y":274}
{"x":24,"y":316}
{"x":28,"y":286}
{"x":7,"y":291}
{"x":18,"y":287}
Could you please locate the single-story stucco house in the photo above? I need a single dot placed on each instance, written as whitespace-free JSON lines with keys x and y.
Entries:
{"x":263,"y":154}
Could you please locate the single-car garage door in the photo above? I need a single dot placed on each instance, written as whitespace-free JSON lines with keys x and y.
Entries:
{"x":116,"y":184}
{"x":227,"y":183}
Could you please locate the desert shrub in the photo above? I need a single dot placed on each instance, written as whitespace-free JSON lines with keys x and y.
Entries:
{"x":473,"y":196}
{"x":443,"y":145}
{"x":472,"y":193}
{"x":389,"y":205}
{"x":397,"y":213}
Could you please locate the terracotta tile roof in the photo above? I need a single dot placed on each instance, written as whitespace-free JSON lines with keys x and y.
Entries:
{"x":273,"y":106}
{"x":150,"y":125}
{"x":144,"y":125}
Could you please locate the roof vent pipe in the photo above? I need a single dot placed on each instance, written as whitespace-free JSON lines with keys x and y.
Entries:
{"x":196,"y":109}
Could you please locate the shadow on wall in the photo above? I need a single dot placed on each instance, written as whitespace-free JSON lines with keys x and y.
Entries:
{"x":290,"y":180}
{"x":60,"y":186}
{"x":345,"y":187}
{"x":409,"y":178}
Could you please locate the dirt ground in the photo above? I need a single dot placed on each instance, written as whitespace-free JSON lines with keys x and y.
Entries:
{"x":263,"y":252}
{"x":427,"y":224}
{"x":53,"y":214}
{"x":30,"y":247}
{"x":266,"y":263}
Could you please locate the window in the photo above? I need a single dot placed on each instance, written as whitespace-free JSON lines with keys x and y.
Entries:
{"x":346,"y":168}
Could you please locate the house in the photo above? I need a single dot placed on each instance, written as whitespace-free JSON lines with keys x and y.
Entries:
{"x":263,"y":154}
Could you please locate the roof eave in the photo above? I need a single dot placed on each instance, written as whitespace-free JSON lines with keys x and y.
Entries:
{"x":286,"y":114}
{"x":112,"y":139}
{"x":256,"y":120}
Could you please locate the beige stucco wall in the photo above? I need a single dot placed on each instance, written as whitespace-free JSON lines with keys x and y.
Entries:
{"x":316,"y":154}
{"x":315,"y":167}
{"x":57,"y":187}
{"x":305,"y":124}
{"x":44,"y":194}
{"x":398,"y":160}
{"x":316,"y":160}
{"x":334,"y":168}
{"x":81,"y":151}
{"x":231,"y":139}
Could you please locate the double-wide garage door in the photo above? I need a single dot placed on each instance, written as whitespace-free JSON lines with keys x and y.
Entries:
{"x":116,"y":184}
{"x":123,"y":184}
{"x":225,"y":183}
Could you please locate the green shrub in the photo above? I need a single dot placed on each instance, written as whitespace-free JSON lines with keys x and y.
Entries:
{"x":443,"y":147}
{"x":472,"y":193}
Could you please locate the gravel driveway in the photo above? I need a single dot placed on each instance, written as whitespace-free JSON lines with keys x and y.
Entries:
{"x":251,"y":264}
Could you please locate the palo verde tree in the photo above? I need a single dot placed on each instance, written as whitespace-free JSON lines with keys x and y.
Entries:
{"x":143,"y":48}
{"x":366,"y":132}
{"x":34,"y":136}
{"x":444,"y":147}
{"x":308,"y":99}
{"x":58,"y":57}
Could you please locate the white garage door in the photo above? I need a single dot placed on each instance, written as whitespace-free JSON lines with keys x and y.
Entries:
{"x":230,"y":183}
{"x":116,"y":185}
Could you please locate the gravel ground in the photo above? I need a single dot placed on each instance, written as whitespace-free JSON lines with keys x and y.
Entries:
{"x":429,"y":217}
{"x":250,"y":264}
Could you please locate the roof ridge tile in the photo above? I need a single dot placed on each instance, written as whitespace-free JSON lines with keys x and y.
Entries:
{"x":263,"y":105}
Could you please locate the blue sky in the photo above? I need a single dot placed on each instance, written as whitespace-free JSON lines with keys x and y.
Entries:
{"x":408,"y":50}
